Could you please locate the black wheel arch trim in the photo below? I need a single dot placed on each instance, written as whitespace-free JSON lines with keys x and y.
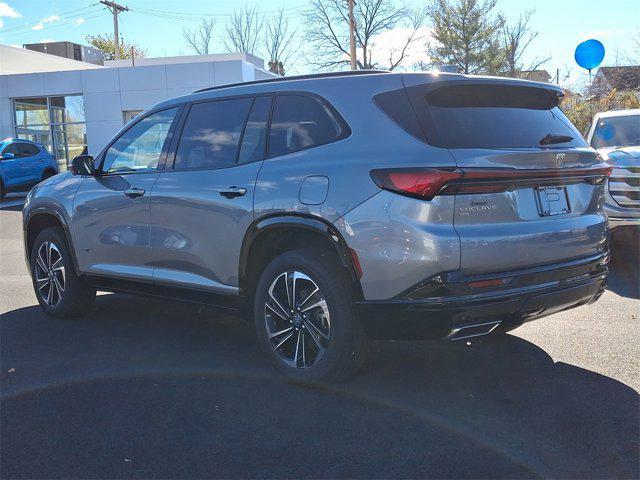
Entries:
{"x":302,"y":221}
{"x":52,"y":211}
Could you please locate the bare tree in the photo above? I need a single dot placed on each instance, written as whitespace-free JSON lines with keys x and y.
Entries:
{"x":278,"y":38}
{"x":397,"y":55}
{"x":634,"y":56}
{"x":199,"y":38}
{"x":328,"y":32}
{"x":243,"y":31}
{"x":517,"y":38}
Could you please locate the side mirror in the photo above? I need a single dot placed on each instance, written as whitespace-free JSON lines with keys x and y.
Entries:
{"x":7,"y":156}
{"x":82,"y":165}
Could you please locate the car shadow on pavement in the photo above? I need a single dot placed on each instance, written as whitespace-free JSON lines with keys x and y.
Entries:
{"x":624,"y":268}
{"x":12,"y":208}
{"x":13,"y":202}
{"x":149,"y":389}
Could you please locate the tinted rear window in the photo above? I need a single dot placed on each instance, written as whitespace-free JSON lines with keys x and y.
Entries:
{"x":300,"y":122}
{"x":497,"y":117}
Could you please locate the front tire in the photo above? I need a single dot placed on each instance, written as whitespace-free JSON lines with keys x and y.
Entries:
{"x":305,"y":318}
{"x":47,"y":174}
{"x":59,"y":290}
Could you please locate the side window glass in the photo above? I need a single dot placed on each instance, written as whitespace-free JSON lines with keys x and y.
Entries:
{"x":211,"y":134}
{"x":255,"y":133}
{"x":28,"y":150}
{"x":12,"y":148}
{"x":140,"y":147}
{"x":300,"y":122}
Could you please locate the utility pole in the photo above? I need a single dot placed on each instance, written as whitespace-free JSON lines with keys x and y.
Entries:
{"x":352,"y":36}
{"x":115,"y":9}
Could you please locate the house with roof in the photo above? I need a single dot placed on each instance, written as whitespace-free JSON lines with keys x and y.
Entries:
{"x":626,"y":78}
{"x":534,"y":75}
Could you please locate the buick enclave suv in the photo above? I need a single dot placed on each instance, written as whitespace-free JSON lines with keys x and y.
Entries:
{"x":335,"y":207}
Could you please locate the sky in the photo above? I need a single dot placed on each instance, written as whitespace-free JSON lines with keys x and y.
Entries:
{"x":157,"y":26}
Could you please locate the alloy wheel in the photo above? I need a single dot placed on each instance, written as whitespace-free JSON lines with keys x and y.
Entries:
{"x":50,"y":274}
{"x":297,"y":319}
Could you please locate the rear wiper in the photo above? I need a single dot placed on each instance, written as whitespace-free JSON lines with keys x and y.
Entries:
{"x":550,"y":139}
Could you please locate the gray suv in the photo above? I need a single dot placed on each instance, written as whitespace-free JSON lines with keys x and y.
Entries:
{"x":332,"y":208}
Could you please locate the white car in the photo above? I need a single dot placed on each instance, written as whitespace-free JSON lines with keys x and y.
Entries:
{"x":616,"y":136}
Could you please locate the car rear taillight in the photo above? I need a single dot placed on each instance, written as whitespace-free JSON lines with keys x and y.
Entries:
{"x":426,"y":183}
{"x":420,"y":183}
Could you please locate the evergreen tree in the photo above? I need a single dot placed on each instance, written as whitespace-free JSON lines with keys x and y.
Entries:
{"x":466,"y":33}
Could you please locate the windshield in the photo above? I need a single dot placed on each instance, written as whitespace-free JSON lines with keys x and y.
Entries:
{"x":617,"y":132}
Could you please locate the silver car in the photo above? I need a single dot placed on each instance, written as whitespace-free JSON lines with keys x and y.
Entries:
{"x":331,"y":208}
{"x":616,"y":136}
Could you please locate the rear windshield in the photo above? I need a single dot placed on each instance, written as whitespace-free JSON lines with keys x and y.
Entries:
{"x":498,"y":117}
{"x":620,"y":131}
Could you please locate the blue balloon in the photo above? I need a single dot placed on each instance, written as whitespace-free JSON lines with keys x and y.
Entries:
{"x":589,"y":54}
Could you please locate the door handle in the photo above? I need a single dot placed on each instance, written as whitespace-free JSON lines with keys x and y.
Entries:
{"x":232,"y":192}
{"x":134,"y":192}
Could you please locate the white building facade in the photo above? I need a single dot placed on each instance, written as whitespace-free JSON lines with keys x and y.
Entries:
{"x":70,"y":106}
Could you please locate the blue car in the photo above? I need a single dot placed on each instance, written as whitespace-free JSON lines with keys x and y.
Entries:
{"x":23,"y":164}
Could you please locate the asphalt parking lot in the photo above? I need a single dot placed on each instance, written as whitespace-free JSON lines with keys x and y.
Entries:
{"x":150,"y":389}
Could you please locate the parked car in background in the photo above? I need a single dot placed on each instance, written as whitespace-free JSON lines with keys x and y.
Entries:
{"x":616,"y":136}
{"x":404,"y":206}
{"x":23,"y":164}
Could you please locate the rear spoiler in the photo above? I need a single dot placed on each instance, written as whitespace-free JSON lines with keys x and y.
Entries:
{"x":437,"y":80}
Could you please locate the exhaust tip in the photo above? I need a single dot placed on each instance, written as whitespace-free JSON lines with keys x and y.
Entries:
{"x":471,"y":331}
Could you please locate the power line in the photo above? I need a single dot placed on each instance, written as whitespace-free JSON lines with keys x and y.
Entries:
{"x":61,"y":24}
{"x":192,"y":17}
{"x":63,"y":16}
{"x":208,"y":14}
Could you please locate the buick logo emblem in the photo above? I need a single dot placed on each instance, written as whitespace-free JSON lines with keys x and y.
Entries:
{"x":560,"y":159}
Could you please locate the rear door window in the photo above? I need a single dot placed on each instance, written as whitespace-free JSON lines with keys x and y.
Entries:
{"x":300,"y":122}
{"x":28,"y":150}
{"x":483,"y":116}
{"x":255,"y":133}
{"x":211,"y":134}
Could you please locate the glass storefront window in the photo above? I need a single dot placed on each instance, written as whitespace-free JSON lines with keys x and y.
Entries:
{"x":55,"y":122}
{"x":69,"y":140}
{"x":69,"y":109}
{"x":31,"y":111}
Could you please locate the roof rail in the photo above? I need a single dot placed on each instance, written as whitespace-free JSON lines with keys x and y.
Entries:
{"x":347,"y":73}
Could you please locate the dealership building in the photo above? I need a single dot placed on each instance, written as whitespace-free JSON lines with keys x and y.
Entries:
{"x":68,"y":105}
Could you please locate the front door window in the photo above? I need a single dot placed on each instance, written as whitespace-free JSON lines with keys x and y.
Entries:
{"x":140,"y":147}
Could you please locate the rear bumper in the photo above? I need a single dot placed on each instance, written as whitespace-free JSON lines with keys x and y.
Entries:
{"x":620,"y":216}
{"x":531,"y":294}
{"x":617,"y":222}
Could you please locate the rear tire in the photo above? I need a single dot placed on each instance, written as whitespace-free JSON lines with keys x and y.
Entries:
{"x":315,"y":337}
{"x":59,"y":290}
